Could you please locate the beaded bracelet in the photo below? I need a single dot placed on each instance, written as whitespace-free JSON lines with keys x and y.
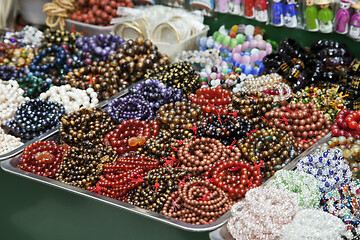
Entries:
{"x":18,"y":57}
{"x":328,"y":167}
{"x":135,"y":58}
{"x":197,"y":156}
{"x":131,"y":135}
{"x":157,"y":93}
{"x":254,"y":69}
{"x":85,"y":127}
{"x":130,"y":107}
{"x":28,"y":36}
{"x":252,"y":106}
{"x":8,"y":142}
{"x":236,"y":178}
{"x":350,"y":149}
{"x":259,"y":50}
{"x":305,"y":122}
{"x":122,"y":176}
{"x":344,"y":204}
{"x":226,"y":128}
{"x":269,"y":82}
{"x":33,"y":85}
{"x":262,"y":214}
{"x":213,"y":101}
{"x":165,"y":145}
{"x":65,"y":39}
{"x":42,"y":158}
{"x":304,"y":185}
{"x":12,"y":73}
{"x":60,"y":57}
{"x":81,"y":166}
{"x":229,"y":78}
{"x":35,"y":117}
{"x":71,"y":98}
{"x":325,"y":99}
{"x":270,"y":149}
{"x":101,"y":46}
{"x":158,"y":186}
{"x":341,"y":125}
{"x":177,"y":75}
{"x":203,"y":58}
{"x":313,"y":224}
{"x":197,"y":202}
{"x":100,"y":76}
{"x":11,"y":96}
{"x":179,"y":115}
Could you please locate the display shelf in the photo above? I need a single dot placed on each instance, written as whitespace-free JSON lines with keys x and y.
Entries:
{"x":279,"y":33}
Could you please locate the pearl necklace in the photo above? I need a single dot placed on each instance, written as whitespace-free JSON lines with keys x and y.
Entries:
{"x":11,"y":96}
{"x":71,"y":98}
{"x":8,"y":142}
{"x":210,"y":57}
{"x":269,"y":81}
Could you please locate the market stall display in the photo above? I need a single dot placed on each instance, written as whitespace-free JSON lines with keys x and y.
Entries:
{"x":229,"y":132}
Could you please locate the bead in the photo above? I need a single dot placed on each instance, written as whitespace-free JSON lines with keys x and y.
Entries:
{"x":262,"y":213}
{"x":42,"y":158}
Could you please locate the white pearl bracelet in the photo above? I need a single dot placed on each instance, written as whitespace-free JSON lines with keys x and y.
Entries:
{"x":8,"y":143}
{"x":11,"y":96}
{"x":72,"y":98}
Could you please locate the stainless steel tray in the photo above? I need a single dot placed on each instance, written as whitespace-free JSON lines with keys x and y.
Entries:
{"x":53,"y":131}
{"x":10,"y":165}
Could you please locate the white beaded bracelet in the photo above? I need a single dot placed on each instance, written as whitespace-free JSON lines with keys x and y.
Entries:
{"x":210,"y":57}
{"x":8,"y":143}
{"x":72,"y":98}
{"x":314,"y":224}
{"x":11,"y":96}
{"x":262,"y":213}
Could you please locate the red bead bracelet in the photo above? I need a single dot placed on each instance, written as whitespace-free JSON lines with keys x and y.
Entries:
{"x":130,"y":135}
{"x":213,"y":101}
{"x":122,"y":176}
{"x":42,"y":158}
{"x":343,"y":120}
{"x":234,"y":177}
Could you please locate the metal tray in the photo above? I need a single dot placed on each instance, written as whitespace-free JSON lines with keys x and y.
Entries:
{"x":54,"y":130}
{"x":10,"y":165}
